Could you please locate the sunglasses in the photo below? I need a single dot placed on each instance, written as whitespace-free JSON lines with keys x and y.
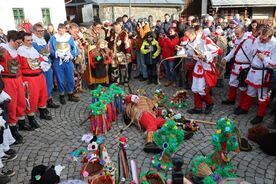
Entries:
{"x":40,"y":31}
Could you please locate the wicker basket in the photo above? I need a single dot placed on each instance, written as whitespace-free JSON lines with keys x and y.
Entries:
{"x":102,"y":179}
{"x":93,"y":169}
{"x":217,"y":158}
{"x":155,"y":179}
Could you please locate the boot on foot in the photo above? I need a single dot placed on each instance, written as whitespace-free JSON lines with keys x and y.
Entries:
{"x":33,"y":122}
{"x":44,"y":115}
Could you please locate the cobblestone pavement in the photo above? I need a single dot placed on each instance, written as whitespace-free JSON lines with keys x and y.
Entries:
{"x":53,"y":142}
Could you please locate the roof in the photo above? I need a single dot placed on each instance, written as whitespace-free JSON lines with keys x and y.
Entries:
{"x":73,"y":3}
{"x":243,"y":3}
{"x":141,"y":2}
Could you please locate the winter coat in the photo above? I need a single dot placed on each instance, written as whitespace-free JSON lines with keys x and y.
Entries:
{"x":168,"y":46}
{"x":151,"y":55}
{"x":141,"y":32}
{"x":165,"y":27}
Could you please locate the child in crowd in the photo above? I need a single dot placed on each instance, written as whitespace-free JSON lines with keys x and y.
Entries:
{"x":151,"y":51}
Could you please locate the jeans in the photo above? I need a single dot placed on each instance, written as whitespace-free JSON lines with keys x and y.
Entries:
{"x":141,"y":64}
{"x":169,"y":69}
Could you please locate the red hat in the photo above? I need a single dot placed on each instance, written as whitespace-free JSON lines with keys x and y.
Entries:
{"x":128,"y":99}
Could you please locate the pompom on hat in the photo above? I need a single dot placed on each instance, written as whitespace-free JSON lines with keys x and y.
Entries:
{"x":235,"y":21}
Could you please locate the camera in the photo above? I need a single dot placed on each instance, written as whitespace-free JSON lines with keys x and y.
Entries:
{"x":177,"y":175}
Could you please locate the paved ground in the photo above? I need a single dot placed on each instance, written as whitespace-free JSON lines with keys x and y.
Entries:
{"x":55,"y":139}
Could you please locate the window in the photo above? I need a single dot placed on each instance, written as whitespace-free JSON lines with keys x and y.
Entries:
{"x":18,"y":15}
{"x":46,"y":16}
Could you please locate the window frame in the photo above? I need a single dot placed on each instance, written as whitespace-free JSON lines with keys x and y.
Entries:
{"x":18,"y":16}
{"x":46,"y":12}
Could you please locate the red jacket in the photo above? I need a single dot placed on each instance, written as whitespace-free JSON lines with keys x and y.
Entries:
{"x":168,"y":46}
{"x":27,"y":27}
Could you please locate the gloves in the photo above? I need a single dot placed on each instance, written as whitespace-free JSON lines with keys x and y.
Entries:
{"x":2,"y":122}
{"x":59,"y":55}
{"x":44,"y":66}
{"x":134,"y":98}
{"x":58,"y":169}
{"x":177,"y":116}
{"x":1,"y":69}
{"x":208,"y":56}
{"x":4,"y":96}
{"x":45,"y":58}
{"x":66,"y":58}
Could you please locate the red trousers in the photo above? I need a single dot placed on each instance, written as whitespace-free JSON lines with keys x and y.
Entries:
{"x":17,"y":106}
{"x":232,"y":93}
{"x":151,"y":123}
{"x":246,"y":102}
{"x":37,"y":92}
{"x":198,"y":99}
{"x":189,"y":66}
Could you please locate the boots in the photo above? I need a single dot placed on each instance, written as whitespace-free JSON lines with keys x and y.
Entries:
{"x":220,"y":83}
{"x":256,"y":120}
{"x":138,"y":76}
{"x":232,"y":93}
{"x":272,"y":125}
{"x":155,"y":80}
{"x":18,"y":138}
{"x":23,"y":126}
{"x":194,"y":111}
{"x":150,"y":146}
{"x":72,"y":98}
{"x":33,"y":122}
{"x":228,"y":102}
{"x":62,"y":99}
{"x":208,"y":108}
{"x":198,"y":105}
{"x":239,"y":111}
{"x":4,"y":179}
{"x":150,"y":80}
{"x":51,"y":104}
{"x":44,"y":114}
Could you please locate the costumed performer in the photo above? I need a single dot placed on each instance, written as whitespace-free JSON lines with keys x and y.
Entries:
{"x":140,"y":110}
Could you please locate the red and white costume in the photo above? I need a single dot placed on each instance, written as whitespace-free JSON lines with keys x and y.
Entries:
{"x":12,"y":79}
{"x":140,"y":111}
{"x":199,"y":87}
{"x":258,"y":79}
{"x":240,"y":63}
{"x":32,"y":64}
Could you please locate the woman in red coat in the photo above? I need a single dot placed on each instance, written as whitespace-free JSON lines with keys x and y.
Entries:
{"x":168,"y":44}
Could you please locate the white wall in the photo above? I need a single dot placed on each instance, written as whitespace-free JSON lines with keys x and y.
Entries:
{"x":87,"y":13}
{"x":203,"y":7}
{"x":32,"y":10}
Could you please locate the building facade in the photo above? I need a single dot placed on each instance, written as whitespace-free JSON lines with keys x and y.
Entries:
{"x":260,"y":10}
{"x":89,"y":10}
{"x":13,"y":12}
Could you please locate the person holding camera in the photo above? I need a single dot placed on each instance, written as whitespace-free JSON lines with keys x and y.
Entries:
{"x":168,"y":44}
{"x":151,"y":51}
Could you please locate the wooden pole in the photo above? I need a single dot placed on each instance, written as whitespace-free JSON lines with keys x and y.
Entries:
{"x":202,"y":121}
